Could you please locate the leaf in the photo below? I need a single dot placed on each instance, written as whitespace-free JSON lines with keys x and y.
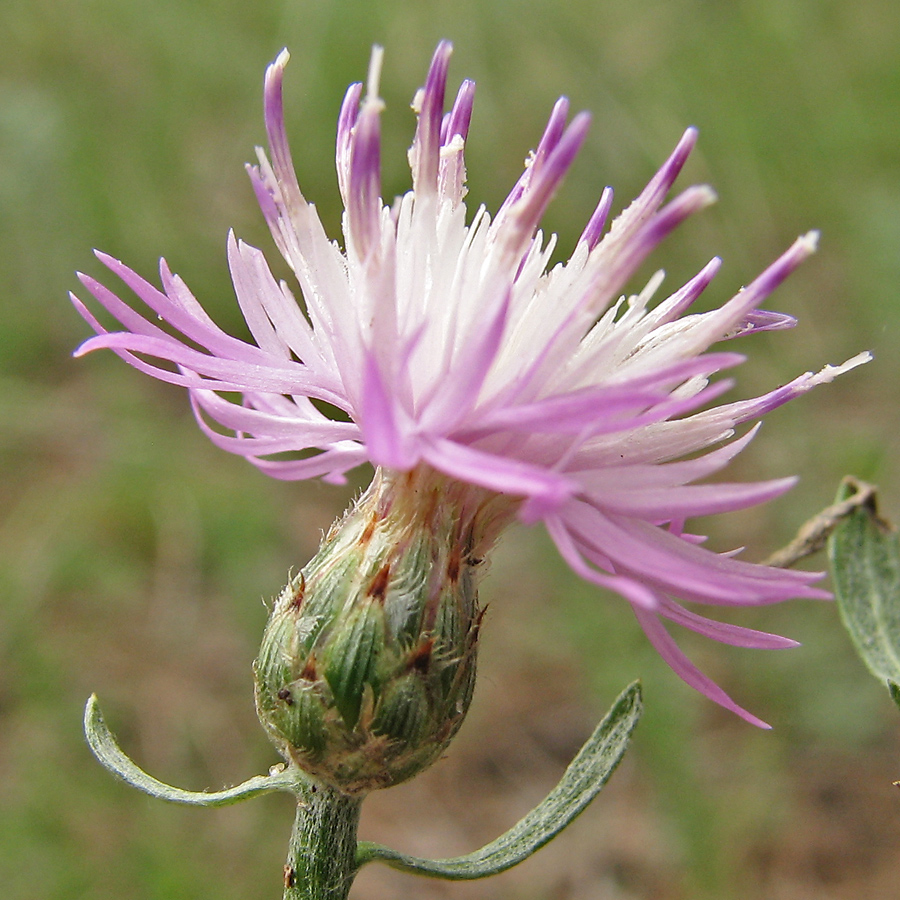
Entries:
{"x":103,"y":745}
{"x":894,"y":688}
{"x":582,"y":781}
{"x":865,"y":559}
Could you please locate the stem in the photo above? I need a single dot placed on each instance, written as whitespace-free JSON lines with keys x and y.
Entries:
{"x":321,"y":862}
{"x":814,"y":534}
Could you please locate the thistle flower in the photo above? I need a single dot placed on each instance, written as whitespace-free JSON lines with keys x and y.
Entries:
{"x":446,"y":348}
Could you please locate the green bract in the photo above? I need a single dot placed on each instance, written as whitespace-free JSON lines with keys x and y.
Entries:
{"x":367,"y":664}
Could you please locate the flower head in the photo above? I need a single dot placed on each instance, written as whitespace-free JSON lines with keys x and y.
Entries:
{"x":447,"y":344}
{"x":367,"y":665}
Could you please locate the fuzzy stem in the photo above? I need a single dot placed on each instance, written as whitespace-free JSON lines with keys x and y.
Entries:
{"x":321,"y":862}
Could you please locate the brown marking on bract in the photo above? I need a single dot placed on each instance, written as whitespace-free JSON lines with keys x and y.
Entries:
{"x":429,"y":509}
{"x":378,"y":587}
{"x":299,"y":592}
{"x":290,"y":877}
{"x":453,"y":565}
{"x":369,"y":531}
{"x":470,"y":541}
{"x":310,"y":673}
{"x":286,"y":695}
{"x":420,"y":660}
{"x":479,"y":618}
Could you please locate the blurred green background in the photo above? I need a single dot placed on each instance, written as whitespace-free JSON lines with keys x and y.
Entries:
{"x":135,"y":558}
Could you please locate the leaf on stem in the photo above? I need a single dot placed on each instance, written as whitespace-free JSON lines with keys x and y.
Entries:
{"x":865,"y":560}
{"x":582,"y":780}
{"x":103,"y":745}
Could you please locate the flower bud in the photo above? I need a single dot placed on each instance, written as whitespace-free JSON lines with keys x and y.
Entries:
{"x":367,"y":665}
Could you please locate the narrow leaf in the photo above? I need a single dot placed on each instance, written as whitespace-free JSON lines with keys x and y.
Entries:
{"x":865,"y":559}
{"x":103,"y":745}
{"x":586,"y":774}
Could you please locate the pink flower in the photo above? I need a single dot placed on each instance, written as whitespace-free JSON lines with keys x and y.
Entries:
{"x":448,"y":344}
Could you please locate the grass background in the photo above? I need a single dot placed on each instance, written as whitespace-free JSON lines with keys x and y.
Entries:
{"x":134,"y":556}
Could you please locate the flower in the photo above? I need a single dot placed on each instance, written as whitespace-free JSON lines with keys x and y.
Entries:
{"x":448,"y":345}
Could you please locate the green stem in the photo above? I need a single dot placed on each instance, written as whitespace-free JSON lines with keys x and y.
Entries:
{"x":321,"y":862}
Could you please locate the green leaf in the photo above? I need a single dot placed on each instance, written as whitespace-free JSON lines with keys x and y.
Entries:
{"x":894,"y":688}
{"x":586,"y":774}
{"x":865,"y":559}
{"x":103,"y":745}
